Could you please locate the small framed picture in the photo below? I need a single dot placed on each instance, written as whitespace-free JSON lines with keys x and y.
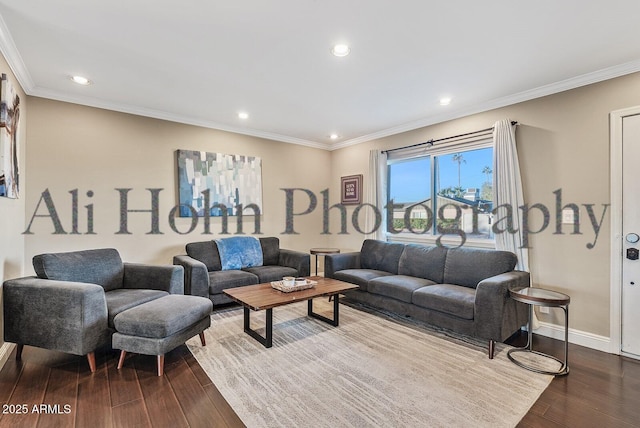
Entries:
{"x":351,"y":186}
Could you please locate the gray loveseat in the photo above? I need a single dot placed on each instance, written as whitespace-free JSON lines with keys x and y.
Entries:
{"x":71,"y":305}
{"x":205,"y":277}
{"x":463,"y":289}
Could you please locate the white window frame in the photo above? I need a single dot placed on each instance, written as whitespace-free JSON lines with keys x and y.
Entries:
{"x":433,"y":151}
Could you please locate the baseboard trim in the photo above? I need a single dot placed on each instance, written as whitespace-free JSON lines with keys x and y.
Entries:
{"x":577,"y":337}
{"x":5,"y":351}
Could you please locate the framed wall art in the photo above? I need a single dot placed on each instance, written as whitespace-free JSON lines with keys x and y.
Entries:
{"x":232,"y":181}
{"x":9,"y":118}
{"x":351,"y":189}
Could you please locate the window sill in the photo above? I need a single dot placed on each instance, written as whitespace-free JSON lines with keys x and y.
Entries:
{"x":451,"y":241}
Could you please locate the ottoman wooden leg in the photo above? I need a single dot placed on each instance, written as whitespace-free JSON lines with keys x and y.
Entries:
{"x":91,"y":358}
{"x":19,"y":349}
{"x":202,"y":339}
{"x":121,"y":360}
{"x":160,"y":365}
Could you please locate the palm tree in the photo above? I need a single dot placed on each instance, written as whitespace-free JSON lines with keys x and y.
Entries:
{"x":487,"y":171}
{"x":486,"y":192}
{"x":457,"y":157}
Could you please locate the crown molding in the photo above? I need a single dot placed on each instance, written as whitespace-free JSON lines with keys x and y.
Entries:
{"x":542,"y":91}
{"x":171,"y":117}
{"x":14,"y":59}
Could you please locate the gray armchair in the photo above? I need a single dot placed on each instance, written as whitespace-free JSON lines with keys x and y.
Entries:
{"x":71,"y":303}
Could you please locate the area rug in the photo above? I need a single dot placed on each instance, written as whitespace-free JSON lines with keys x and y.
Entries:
{"x":373,"y":370}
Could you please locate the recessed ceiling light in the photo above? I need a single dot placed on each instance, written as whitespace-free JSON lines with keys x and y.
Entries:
{"x":334,"y":136}
{"x":445,"y":101}
{"x":340,"y":50}
{"x":243,"y":115}
{"x":81,"y":80}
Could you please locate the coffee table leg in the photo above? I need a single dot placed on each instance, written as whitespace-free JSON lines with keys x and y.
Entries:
{"x":266,"y":341}
{"x":336,"y":314}
{"x":269,"y":328}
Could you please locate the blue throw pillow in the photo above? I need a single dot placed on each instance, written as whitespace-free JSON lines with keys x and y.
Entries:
{"x":239,"y":252}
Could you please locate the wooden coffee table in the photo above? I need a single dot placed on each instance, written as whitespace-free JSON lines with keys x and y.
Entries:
{"x":264,"y":297}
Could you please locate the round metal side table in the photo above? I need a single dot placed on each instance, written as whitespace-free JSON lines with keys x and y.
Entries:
{"x":322,"y":252}
{"x":541,"y":297}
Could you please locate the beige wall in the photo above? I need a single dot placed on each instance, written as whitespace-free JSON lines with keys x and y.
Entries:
{"x":563,"y":143}
{"x":76,"y":147}
{"x":12,"y":210}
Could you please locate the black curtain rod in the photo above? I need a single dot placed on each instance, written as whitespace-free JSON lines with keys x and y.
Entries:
{"x":431,"y":142}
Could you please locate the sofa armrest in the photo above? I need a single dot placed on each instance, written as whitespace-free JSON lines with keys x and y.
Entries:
{"x":335,"y":262}
{"x":62,"y":315}
{"x":169,"y":278}
{"x":498,"y":316}
{"x":196,"y":275}
{"x":295,"y":259}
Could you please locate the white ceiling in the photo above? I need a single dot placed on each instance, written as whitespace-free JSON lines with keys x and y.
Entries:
{"x":202,"y":61}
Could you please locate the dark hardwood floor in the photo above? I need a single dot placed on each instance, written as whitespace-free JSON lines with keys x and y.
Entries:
{"x":131,"y":397}
{"x":601,"y":390}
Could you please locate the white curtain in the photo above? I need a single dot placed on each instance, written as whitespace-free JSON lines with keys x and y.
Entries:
{"x":508,"y":191}
{"x":376,"y":195}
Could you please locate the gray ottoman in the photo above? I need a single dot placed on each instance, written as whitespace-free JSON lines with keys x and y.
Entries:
{"x":157,"y":327}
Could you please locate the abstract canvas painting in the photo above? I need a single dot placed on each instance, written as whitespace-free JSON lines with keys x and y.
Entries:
{"x":9,"y":117}
{"x":231,"y":181}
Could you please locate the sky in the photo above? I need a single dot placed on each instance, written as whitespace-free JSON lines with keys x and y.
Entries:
{"x":410,"y":180}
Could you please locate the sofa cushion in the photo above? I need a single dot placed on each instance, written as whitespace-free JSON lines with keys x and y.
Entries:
{"x":379,"y":255}
{"x":239,"y":252}
{"x":123,"y":299}
{"x":163,"y":317}
{"x":271,"y":273}
{"x":102,"y":266}
{"x":469,"y":266}
{"x":360,"y":277}
{"x":423,"y":262}
{"x":206,"y":252}
{"x":270,"y":250}
{"x":219,"y":280}
{"x":399,"y":287}
{"x":448,"y":298}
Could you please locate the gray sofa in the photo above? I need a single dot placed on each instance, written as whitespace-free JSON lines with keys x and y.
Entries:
{"x":71,"y":304}
{"x":463,"y":289}
{"x":203,"y":274}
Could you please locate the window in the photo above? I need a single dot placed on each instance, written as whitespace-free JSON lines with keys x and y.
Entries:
{"x":441,"y":191}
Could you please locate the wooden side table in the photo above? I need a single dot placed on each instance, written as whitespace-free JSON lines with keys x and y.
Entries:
{"x":322,"y":252}
{"x":541,"y":297}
